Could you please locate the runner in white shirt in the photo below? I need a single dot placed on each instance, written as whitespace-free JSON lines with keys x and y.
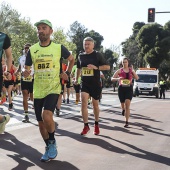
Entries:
{"x":26,"y":83}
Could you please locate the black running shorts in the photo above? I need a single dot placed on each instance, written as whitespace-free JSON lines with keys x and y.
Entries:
{"x":8,"y":83}
{"x":47,"y":103}
{"x":93,"y":91}
{"x":125,"y":93}
{"x":25,"y":85}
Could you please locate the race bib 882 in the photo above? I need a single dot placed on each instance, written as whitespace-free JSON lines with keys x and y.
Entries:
{"x":45,"y":64}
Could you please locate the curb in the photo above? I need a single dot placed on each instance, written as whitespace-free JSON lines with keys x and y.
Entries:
{"x":109,"y":91}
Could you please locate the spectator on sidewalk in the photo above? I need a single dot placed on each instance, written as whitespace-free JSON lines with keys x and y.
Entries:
{"x":162,"y":86}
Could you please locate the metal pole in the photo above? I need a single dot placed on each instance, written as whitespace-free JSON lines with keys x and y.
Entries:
{"x":163,"y":12}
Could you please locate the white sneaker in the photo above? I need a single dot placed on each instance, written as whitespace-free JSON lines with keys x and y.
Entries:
{"x":2,"y":125}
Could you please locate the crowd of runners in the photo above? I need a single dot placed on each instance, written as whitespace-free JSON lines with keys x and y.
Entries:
{"x":48,"y":74}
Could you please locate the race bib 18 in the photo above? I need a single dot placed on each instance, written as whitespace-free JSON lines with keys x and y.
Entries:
{"x":87,"y":72}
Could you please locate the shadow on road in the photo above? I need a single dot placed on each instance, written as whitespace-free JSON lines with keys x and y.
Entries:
{"x":112,"y":148}
{"x":26,"y":156}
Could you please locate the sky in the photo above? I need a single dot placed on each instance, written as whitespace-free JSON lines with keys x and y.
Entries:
{"x":113,"y":19}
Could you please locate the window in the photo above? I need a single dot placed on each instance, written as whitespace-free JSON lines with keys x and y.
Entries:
{"x":147,"y":78}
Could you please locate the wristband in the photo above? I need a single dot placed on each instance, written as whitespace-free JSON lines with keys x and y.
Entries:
{"x":68,"y":73}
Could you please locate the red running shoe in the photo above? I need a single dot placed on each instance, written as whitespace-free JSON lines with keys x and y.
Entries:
{"x":85,"y":131}
{"x":96,"y":130}
{"x":3,"y":100}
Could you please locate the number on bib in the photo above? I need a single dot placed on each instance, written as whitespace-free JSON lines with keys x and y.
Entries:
{"x":125,"y":82}
{"x":87,"y":72}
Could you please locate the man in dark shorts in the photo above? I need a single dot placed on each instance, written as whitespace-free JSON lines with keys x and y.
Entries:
{"x":46,"y":57}
{"x":5,"y":46}
{"x":89,"y":64}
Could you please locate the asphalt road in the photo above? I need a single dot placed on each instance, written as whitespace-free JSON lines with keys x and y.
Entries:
{"x":145,"y":145}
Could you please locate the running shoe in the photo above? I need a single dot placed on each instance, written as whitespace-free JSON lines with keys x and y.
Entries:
{"x":26,"y":119}
{"x":56,"y":125}
{"x":52,"y":149}
{"x":45,"y":157}
{"x":77,"y":102}
{"x":67,"y":101}
{"x":126,"y":125}
{"x":85,"y":131}
{"x":3,"y":100}
{"x":2,"y":125}
{"x":10,"y":107}
{"x":64,"y":101}
{"x":57,"y":112}
{"x":96,"y":130}
{"x":123,"y":112}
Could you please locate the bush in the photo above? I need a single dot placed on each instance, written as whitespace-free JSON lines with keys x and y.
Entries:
{"x":168,"y":84}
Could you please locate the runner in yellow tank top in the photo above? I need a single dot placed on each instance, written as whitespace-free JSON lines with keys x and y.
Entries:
{"x":46,"y":59}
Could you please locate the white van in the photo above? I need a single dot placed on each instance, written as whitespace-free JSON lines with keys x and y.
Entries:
{"x":147,"y":84}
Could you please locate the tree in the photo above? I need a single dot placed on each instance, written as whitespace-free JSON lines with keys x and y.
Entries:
{"x":108,"y":55}
{"x":165,"y":65}
{"x":9,"y":19}
{"x":164,"y":69}
{"x":60,"y":37}
{"x":77,"y":34}
{"x":26,"y":33}
{"x":18,"y":29}
{"x":97,"y":38}
{"x":130,"y":46}
{"x":151,"y":39}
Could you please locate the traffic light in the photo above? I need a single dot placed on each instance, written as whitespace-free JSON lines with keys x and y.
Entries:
{"x":151,"y":15}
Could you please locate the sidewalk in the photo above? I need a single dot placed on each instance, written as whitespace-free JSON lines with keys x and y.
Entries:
{"x":109,"y":90}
